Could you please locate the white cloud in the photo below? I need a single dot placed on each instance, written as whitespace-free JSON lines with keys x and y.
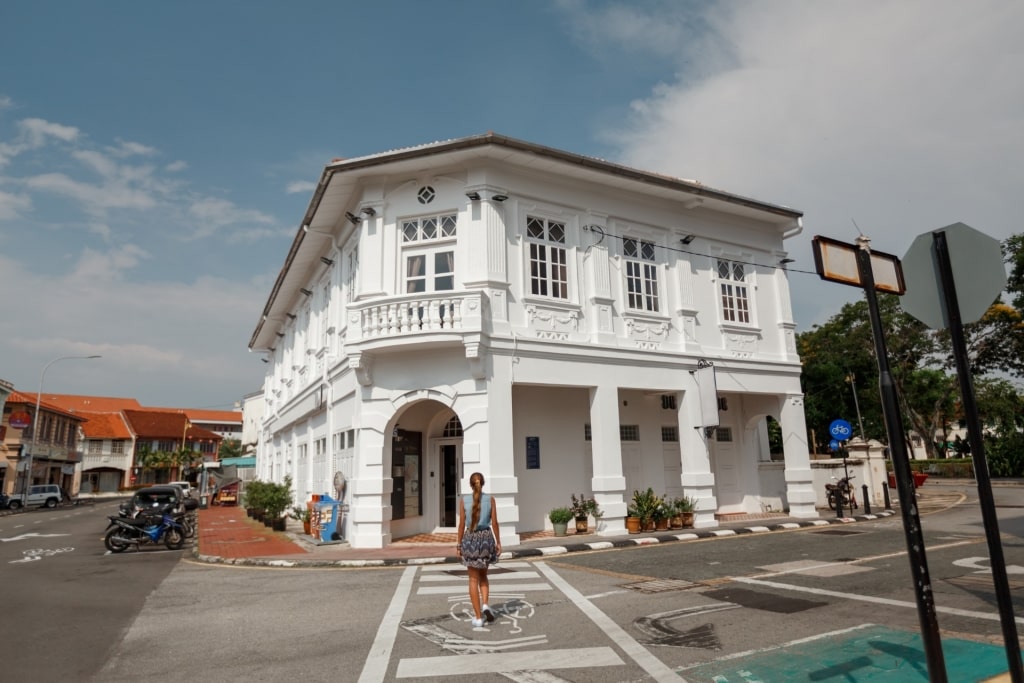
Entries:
{"x":5,"y":102}
{"x":214,"y":213}
{"x":38,"y":130}
{"x":160,"y":338}
{"x":297,"y":186}
{"x":897,"y":115}
{"x":126,"y":148}
{"x":96,"y":266}
{"x":175,"y":166}
{"x":13,"y":205}
{"x":95,"y":199}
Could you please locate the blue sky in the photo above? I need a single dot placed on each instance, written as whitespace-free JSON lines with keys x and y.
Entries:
{"x":156,"y":159}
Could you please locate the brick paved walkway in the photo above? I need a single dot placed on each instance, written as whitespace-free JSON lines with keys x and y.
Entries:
{"x":226,"y":531}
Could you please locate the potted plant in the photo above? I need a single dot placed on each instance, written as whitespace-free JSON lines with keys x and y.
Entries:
{"x":305,"y":515}
{"x":582,"y":508}
{"x":254,"y":499}
{"x":685,"y":507}
{"x":632,"y":520}
{"x":644,"y":503}
{"x":560,"y":518}
{"x":278,"y":499}
{"x":660,"y":515}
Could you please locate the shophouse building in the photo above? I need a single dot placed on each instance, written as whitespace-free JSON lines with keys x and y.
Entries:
{"x":558,"y":322}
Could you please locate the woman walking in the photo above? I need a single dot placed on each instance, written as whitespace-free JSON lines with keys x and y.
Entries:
{"x":479,"y":544}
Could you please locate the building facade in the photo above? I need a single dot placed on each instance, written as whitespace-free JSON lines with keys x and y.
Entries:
{"x":559,"y":323}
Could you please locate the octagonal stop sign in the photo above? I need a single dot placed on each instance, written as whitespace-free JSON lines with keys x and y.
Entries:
{"x":978,"y":273}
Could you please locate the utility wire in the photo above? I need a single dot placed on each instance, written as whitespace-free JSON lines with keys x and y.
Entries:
{"x":598,"y":229}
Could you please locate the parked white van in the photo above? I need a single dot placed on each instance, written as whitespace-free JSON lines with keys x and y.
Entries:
{"x":41,"y":494}
{"x":185,"y":487}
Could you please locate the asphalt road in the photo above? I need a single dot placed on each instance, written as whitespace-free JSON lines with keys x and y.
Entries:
{"x":66,"y":601}
{"x":834,"y":603}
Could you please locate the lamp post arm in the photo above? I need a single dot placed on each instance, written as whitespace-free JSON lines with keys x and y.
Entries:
{"x":35,"y":420}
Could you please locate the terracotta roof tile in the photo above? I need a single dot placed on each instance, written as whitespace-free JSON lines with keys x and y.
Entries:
{"x":17,"y":397}
{"x":155,"y":424}
{"x":91,"y":404}
{"x":105,"y":426}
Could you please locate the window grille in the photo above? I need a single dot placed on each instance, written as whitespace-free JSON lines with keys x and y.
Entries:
{"x":669,"y":434}
{"x":734,"y":292}
{"x":629,"y":432}
{"x":549,"y":273}
{"x":641,"y":275}
{"x":453,"y":429}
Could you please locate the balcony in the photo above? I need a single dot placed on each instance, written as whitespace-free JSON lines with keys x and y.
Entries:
{"x":428,"y":319}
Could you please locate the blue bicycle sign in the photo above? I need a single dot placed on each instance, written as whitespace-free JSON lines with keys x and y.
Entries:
{"x":840,"y":430}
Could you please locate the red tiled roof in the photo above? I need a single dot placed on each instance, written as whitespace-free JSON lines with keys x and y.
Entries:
{"x":105,"y":426}
{"x":17,"y":397}
{"x":200,"y":415}
{"x":91,"y":404}
{"x":155,"y":424}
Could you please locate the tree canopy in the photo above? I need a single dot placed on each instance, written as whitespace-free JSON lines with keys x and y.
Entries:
{"x":839,"y":359}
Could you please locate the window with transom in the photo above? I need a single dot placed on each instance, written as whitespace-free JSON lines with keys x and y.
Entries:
{"x":641,"y":275}
{"x":429,"y":228}
{"x":429,"y":253}
{"x":549,"y":273}
{"x":734,"y":291}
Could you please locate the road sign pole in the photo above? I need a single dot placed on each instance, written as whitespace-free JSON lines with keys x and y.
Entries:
{"x":904,"y":480}
{"x":981,"y":473}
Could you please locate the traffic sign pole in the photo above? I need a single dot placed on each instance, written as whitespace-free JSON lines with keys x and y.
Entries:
{"x":904,"y":480}
{"x":981,"y":473}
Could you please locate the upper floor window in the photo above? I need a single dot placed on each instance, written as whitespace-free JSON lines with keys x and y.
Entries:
{"x":428,"y":228}
{"x":734,"y":292}
{"x":549,"y":274}
{"x":95,"y":447}
{"x":641,"y":275}
{"x":117,"y":447}
{"x":432,"y":271}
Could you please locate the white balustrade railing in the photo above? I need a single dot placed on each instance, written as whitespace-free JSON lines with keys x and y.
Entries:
{"x":414,"y":314}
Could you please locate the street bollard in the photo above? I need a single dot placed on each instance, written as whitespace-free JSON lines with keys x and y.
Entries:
{"x":885,"y":496}
{"x":839,"y":503}
{"x":867,"y":501}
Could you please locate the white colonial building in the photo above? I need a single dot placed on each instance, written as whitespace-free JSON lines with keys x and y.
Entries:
{"x":488,"y":304}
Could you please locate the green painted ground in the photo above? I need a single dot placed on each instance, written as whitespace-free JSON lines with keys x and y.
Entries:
{"x":870,"y":654}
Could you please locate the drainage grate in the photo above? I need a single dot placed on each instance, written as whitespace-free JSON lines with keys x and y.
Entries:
{"x":660,"y":585}
{"x":837,"y":532}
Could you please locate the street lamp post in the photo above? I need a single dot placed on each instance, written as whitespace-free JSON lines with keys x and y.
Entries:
{"x":852,"y":379}
{"x":35,"y":421}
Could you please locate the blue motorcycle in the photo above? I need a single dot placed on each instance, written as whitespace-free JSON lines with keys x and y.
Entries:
{"x":123,"y":532}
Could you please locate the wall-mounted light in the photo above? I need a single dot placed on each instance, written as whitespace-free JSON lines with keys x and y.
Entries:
{"x":352,"y":217}
{"x":786,"y":261}
{"x":369,"y":210}
{"x":280,"y":334}
{"x":273,"y":348}
{"x":264,"y":360}
{"x":305,"y":291}
{"x":688,"y":239}
{"x":326,"y":261}
{"x":290,"y":316}
{"x":499,"y":197}
{"x":473,"y":196}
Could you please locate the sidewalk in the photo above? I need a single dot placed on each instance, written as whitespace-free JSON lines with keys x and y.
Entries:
{"x":228,"y":536}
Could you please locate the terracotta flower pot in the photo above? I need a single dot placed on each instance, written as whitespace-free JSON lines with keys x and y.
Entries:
{"x":581,"y":525}
{"x":633,"y":525}
{"x":661,"y":524}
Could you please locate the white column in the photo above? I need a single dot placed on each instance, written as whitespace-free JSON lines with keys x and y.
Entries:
{"x":369,"y":492}
{"x":487,"y":445}
{"x":698,"y":479}
{"x":799,"y":480}
{"x":609,"y":484}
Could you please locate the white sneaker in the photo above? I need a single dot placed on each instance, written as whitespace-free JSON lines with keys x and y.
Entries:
{"x":487,"y":613}
{"x":477,"y":623}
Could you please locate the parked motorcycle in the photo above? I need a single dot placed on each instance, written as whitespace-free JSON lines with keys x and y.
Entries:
{"x":124,"y":532}
{"x":841,"y":494}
